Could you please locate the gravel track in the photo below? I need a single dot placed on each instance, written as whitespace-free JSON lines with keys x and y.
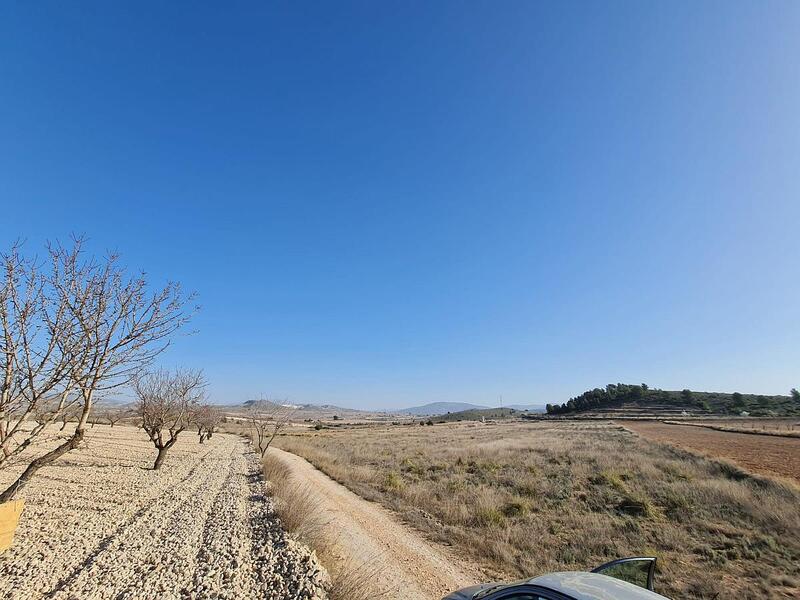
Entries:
{"x":100,"y":524}
{"x":410,"y":567}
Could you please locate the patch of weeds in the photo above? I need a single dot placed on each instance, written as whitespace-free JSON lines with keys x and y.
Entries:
{"x":674,"y":471}
{"x":733,"y":472}
{"x":637,"y":505}
{"x":490,"y":517}
{"x":456,"y":485}
{"x":393,"y":482}
{"x":611,"y":479}
{"x":514,"y":509}
{"x":706,"y":587}
{"x":676,"y":505}
{"x":409,"y":466}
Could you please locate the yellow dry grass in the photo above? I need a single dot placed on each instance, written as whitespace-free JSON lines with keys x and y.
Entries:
{"x":298,"y":507}
{"x":528,"y":498}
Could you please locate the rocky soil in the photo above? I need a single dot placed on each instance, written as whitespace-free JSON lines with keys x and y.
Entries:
{"x":100,"y":524}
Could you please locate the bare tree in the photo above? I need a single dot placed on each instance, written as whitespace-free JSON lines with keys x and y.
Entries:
{"x":114,"y":415}
{"x":267,"y":419}
{"x":67,"y":415}
{"x":166,"y":403}
{"x":38,"y":346}
{"x":96,"y":415}
{"x":82,"y":328}
{"x":206,"y":418}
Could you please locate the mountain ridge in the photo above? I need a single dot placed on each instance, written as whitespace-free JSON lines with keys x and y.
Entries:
{"x":439,"y":408}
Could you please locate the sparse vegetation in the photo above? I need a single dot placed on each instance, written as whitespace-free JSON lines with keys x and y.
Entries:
{"x":299,"y":509}
{"x":528,"y":498}
{"x":479,"y":414}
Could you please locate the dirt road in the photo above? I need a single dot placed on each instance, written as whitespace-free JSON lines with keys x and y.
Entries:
{"x":769,"y":455}
{"x":414,"y":569}
{"x":99,"y":523}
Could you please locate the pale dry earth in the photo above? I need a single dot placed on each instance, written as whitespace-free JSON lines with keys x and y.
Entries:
{"x":765,"y":454}
{"x":410,"y":568}
{"x":99,"y":523}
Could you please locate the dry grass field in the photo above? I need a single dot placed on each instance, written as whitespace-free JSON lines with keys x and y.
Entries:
{"x":526,"y":498}
{"x":768,"y":454}
{"x":368,"y":552}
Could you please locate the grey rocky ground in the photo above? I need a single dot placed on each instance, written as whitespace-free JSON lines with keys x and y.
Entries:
{"x":100,"y":524}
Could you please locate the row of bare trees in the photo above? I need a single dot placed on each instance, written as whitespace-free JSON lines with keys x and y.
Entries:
{"x":75,"y":328}
{"x":110,"y":416}
{"x":72,"y":328}
{"x":170,"y":402}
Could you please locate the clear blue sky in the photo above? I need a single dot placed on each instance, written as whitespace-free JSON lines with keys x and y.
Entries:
{"x":384,"y":204}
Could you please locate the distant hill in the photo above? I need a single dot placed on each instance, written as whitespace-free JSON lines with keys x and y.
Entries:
{"x":439,"y":408}
{"x":641,"y":399}
{"x":479,"y":414}
{"x":305,"y":411}
{"x":528,"y":407}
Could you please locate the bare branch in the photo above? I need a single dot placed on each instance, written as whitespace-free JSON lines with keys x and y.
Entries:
{"x":267,"y":419}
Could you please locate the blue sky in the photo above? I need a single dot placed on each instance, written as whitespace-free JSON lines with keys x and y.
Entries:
{"x":385,"y":204}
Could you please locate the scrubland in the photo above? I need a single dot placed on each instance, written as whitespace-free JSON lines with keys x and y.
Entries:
{"x":369,"y":552}
{"x":526,"y":498}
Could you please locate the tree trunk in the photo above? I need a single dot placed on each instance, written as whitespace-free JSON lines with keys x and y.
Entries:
{"x":40,"y":462}
{"x":162,"y":453}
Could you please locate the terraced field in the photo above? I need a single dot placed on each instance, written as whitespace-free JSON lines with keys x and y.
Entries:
{"x":765,"y":454}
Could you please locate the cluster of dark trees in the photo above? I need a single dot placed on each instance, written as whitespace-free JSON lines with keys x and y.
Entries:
{"x":614,"y":395}
{"x":600,"y":398}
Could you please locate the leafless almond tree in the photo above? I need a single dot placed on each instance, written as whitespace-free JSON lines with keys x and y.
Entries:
{"x":114,"y":415}
{"x":206,"y":419}
{"x":267,"y":419}
{"x":71,"y":332}
{"x":37,"y":343}
{"x":166,"y":402}
{"x":67,"y":415}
